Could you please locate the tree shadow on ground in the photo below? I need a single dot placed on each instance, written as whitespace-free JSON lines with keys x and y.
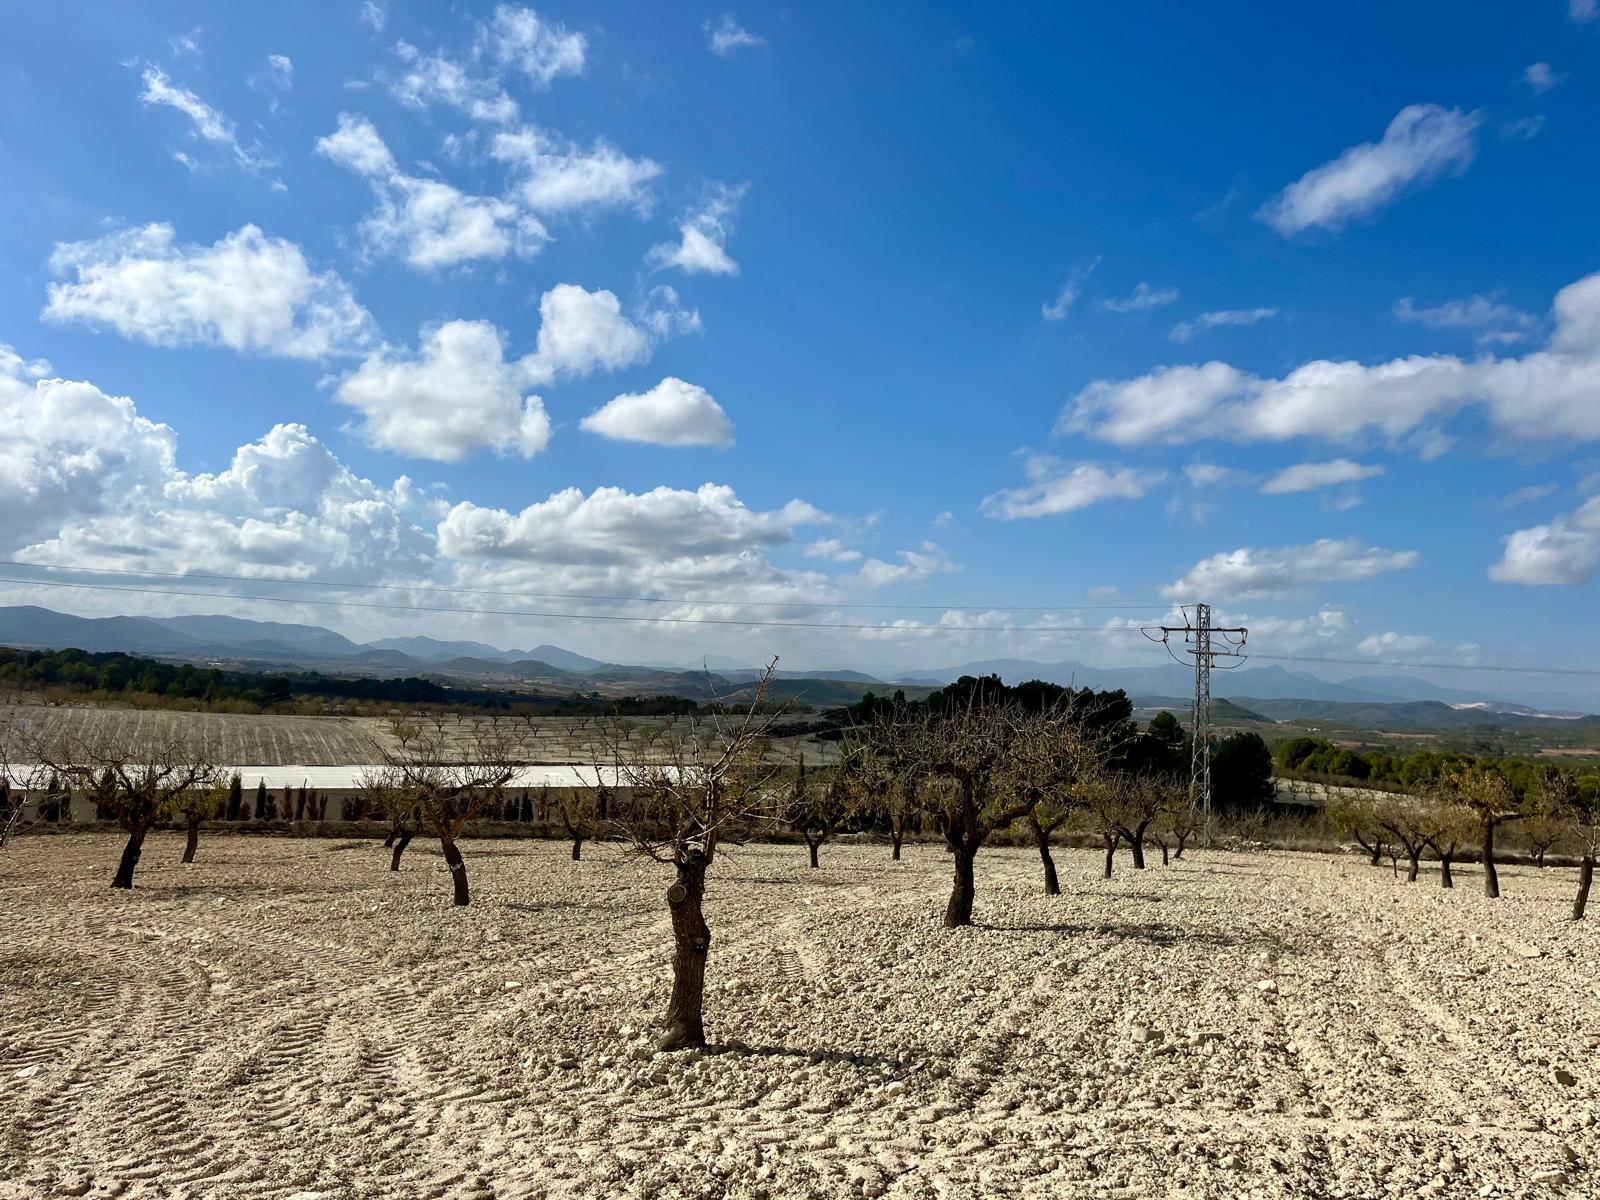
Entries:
{"x":1153,"y":935}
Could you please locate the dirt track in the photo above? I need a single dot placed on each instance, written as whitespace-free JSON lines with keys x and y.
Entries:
{"x":275,"y":1021}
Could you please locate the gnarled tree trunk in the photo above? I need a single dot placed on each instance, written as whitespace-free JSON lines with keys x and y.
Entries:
{"x":1041,"y":836}
{"x":577,"y":847}
{"x":1445,"y":878}
{"x":1111,"y":850}
{"x":897,"y":835}
{"x":963,"y":889}
{"x":1414,"y":857}
{"x":1135,"y":839}
{"x":193,"y":842}
{"x":691,"y":942}
{"x":813,"y":847}
{"x":1491,"y":877}
{"x":1375,"y":850}
{"x":1585,"y":878}
{"x":458,"y":871}
{"x":130,"y":859}
{"x":401,"y":841}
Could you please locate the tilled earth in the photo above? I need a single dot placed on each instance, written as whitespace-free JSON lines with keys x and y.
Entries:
{"x":288,"y":1020}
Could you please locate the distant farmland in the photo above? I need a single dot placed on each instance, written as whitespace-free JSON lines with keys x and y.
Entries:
{"x":261,"y":740}
{"x":311,"y":741}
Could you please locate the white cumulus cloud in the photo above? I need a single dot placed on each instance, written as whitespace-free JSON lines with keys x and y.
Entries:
{"x":542,"y":50}
{"x":1542,"y":395}
{"x":913,"y":566}
{"x":91,"y":482}
{"x":1395,"y":643}
{"x":438,"y":78}
{"x":1056,"y":487}
{"x":555,"y":175}
{"x":1564,"y":551}
{"x":1309,"y":476}
{"x":673,"y":413}
{"x":831,"y":549}
{"x":1422,"y":142}
{"x":426,"y":221}
{"x":612,"y":525}
{"x":1249,"y":571}
{"x":457,"y":394}
{"x":581,"y":332}
{"x":460,"y":392}
{"x":702,"y":237}
{"x":247,"y":291}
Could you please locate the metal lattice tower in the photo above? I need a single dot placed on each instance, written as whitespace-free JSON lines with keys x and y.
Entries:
{"x":1198,"y":641}
{"x":1200,"y":721}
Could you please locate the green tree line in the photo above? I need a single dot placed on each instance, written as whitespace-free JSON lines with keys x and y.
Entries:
{"x":184,"y":685}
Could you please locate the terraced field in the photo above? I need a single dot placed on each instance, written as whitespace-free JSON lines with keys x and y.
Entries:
{"x":286,"y":1020}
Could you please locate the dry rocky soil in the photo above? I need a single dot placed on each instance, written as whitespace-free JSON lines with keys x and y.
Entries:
{"x":287,"y":1020}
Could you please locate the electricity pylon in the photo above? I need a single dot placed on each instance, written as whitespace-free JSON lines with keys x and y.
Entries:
{"x":1198,"y":633}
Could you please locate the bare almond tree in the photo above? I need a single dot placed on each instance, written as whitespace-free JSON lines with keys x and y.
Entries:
{"x":587,"y":812}
{"x":1446,"y":826}
{"x":1490,"y":796}
{"x":382,"y":790}
{"x":694,"y":784}
{"x":886,"y":778}
{"x":1408,"y":823}
{"x":141,"y":783}
{"x":579,"y":809}
{"x":448,"y":780}
{"x":18,"y":777}
{"x":196,"y":805}
{"x":1550,"y":801}
{"x":1583,"y":823}
{"x":1104,"y":813}
{"x":1358,"y":817}
{"x":1179,"y":820}
{"x":1050,"y":761}
{"x":819,"y":804}
{"x":970,"y":746}
{"x":1144,"y":798}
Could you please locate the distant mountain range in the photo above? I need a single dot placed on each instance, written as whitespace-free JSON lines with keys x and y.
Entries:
{"x":236,"y":642}
{"x":431,"y":650}
{"x":1249,"y":684}
{"x":1272,"y":691}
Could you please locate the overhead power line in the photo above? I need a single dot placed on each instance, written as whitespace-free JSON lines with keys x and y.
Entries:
{"x":569,"y":616}
{"x":462,"y":591}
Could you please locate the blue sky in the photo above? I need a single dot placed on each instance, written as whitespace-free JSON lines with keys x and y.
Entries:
{"x":816,"y":305}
